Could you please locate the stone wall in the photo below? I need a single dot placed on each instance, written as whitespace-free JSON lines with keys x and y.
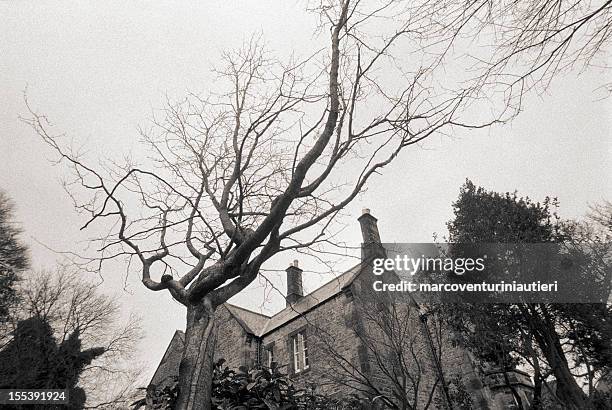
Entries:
{"x":233,"y":343}
{"x":324,"y":326}
{"x":348,"y":353}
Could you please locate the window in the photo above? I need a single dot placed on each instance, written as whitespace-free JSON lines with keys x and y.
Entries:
{"x":269,"y":355}
{"x":300,"y":352}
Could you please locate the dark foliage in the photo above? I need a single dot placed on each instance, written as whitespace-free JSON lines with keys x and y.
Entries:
{"x":485,"y":216}
{"x":558,"y":341}
{"x":34,"y":360}
{"x":13,"y":256}
{"x":252,"y":389}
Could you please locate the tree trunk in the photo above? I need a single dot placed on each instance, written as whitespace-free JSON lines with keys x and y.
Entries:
{"x":196,"y":368}
{"x":537,"y":381}
{"x":567,"y":388}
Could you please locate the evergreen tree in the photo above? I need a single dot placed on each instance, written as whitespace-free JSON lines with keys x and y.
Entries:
{"x":555,"y":340}
{"x":34,"y":360}
{"x":13,"y":256}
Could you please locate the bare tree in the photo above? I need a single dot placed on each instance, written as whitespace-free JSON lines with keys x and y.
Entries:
{"x":70,"y":304}
{"x":400,"y":363}
{"x":527,"y":44}
{"x":266,"y":164}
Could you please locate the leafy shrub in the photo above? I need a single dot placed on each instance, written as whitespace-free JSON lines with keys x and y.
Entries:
{"x":252,"y":389}
{"x":158,"y":398}
{"x":265,"y":389}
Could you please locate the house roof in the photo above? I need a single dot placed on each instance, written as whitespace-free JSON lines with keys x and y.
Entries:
{"x":252,"y":322}
{"x":169,"y":365}
{"x":259,"y":325}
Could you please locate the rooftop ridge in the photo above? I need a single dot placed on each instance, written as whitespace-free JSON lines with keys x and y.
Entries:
{"x":315,"y":298}
{"x":247,"y":310}
{"x":310,"y":294}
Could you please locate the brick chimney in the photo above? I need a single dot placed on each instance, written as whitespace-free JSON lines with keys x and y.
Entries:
{"x":295,"y":290}
{"x":371,"y":246}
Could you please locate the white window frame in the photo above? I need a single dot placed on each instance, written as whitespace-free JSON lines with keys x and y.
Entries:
{"x":299,"y":343}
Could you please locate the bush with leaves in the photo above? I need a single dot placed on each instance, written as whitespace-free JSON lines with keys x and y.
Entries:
{"x":158,"y":398}
{"x":263,"y":388}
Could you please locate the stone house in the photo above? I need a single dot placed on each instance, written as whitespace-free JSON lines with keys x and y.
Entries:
{"x":335,"y":338}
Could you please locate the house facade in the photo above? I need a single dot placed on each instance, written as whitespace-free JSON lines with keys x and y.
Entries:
{"x":346,"y":339}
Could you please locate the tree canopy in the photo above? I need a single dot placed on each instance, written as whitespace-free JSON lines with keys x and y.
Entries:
{"x":565,"y":342}
{"x":13,"y":256}
{"x":65,"y":331}
{"x":34,"y":360}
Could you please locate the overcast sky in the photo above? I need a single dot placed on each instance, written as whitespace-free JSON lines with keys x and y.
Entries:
{"x":97,"y":69}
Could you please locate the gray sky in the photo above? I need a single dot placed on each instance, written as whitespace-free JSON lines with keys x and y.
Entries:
{"x":97,"y":69}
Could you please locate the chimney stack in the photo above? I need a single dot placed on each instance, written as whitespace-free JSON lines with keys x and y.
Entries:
{"x":371,"y":246}
{"x":295,"y":290}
